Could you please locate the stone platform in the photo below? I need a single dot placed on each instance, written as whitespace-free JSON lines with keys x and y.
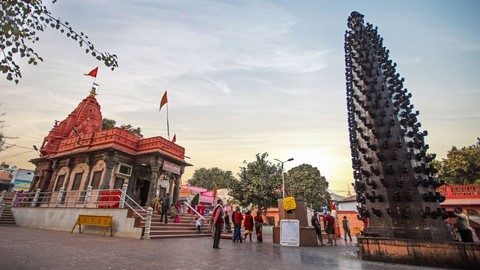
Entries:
{"x":419,"y":252}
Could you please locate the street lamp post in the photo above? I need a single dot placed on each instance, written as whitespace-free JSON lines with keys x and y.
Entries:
{"x":283,"y":177}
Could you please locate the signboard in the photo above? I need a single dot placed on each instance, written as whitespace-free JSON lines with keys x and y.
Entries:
{"x":21,"y":185}
{"x":290,"y":232}
{"x":170,"y":167}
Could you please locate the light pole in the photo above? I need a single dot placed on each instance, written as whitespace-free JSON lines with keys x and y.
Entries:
{"x":283,"y":177}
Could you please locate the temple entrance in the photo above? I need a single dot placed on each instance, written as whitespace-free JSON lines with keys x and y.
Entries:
{"x":144,"y":188}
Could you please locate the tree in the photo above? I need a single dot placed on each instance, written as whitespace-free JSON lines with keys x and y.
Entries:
{"x":260,"y":183}
{"x":110,"y":123}
{"x":462,"y":166}
{"x":137,"y":131}
{"x":20,"y":22}
{"x":306,"y":182}
{"x":3,"y":137}
{"x":207,"y":178}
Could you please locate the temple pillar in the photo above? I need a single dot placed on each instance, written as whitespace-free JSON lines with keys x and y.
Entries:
{"x":70,"y":166}
{"x":155,"y":166}
{"x":110,"y":162}
{"x":90,"y":162}
{"x":176,"y":189}
{"x":55,"y":168}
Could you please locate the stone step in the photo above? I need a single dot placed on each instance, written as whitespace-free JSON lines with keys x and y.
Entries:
{"x":173,"y":232}
{"x":179,"y":236}
{"x":185,"y":228}
{"x":181,"y":224}
{"x":7,"y":222}
{"x":7,"y":216}
{"x":169,"y":228}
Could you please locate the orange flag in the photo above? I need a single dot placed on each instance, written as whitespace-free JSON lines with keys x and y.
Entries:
{"x":214,"y":193}
{"x":163,"y":101}
{"x":93,"y":73}
{"x":174,"y":138}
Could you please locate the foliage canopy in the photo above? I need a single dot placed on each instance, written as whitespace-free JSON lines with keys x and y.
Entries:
{"x":260,"y":183}
{"x":462,"y":166}
{"x":110,"y":123}
{"x":20,"y":22}
{"x":306,"y":182}
{"x":207,"y":178}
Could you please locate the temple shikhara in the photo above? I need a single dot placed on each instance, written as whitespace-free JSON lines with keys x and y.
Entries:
{"x":77,"y":153}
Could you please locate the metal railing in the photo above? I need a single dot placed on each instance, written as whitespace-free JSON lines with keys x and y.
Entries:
{"x":98,"y":198}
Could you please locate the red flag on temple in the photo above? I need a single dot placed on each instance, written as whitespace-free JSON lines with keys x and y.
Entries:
{"x":93,"y":73}
{"x":163,"y":101}
{"x":174,"y":138}
{"x":214,"y":194}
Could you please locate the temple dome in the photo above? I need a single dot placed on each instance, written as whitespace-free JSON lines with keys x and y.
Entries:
{"x":86,"y":118}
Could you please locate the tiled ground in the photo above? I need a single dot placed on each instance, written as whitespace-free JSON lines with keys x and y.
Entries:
{"x":27,"y":248}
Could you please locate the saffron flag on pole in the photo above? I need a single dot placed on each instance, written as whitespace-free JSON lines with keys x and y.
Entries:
{"x":163,"y":101}
{"x":93,"y":73}
{"x":174,"y":138}
{"x":214,"y":193}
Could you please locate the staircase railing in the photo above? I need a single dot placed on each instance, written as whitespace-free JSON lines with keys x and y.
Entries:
{"x":193,"y":209}
{"x":99,"y":198}
{"x":209,"y":226}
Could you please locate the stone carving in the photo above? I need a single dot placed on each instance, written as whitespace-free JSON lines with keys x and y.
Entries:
{"x":393,"y":176}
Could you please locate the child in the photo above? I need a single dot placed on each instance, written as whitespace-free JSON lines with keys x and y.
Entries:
{"x":198,"y":223}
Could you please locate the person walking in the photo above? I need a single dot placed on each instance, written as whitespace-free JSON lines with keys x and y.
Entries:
{"x":463,"y":225}
{"x":237,"y":225}
{"x":346,"y":229}
{"x":317,"y":227}
{"x":258,"y":226}
{"x":217,"y":223}
{"x":165,"y":205}
{"x":330,"y":228}
{"x":227,"y":223}
{"x":248,"y":225}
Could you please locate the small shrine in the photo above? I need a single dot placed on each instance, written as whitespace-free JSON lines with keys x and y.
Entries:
{"x":77,"y":153}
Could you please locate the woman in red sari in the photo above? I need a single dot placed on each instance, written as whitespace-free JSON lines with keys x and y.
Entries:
{"x":258,"y":226}
{"x":248,"y":225}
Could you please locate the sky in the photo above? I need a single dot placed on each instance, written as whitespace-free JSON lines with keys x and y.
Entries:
{"x":247,"y":77}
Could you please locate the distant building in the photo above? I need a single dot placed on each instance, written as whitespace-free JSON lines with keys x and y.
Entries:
{"x":77,"y":153}
{"x":5,"y":180}
{"x":22,"y":180}
{"x":347,"y":207}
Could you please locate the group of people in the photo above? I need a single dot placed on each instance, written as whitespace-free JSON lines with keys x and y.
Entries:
{"x":165,"y":209}
{"x":221,"y":218}
{"x":329,"y":225}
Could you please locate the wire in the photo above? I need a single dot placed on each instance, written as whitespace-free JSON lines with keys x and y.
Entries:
{"x":14,"y":145}
{"x":17,"y":154}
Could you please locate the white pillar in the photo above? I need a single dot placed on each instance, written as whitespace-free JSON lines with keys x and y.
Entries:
{"x":123,"y":196}
{"x":148,"y":223}
{"x":15,"y":194}
{"x":87,"y":196}
{"x":35,"y":199}
{"x":59,"y":197}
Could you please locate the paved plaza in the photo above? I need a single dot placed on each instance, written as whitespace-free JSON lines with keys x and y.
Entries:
{"x":27,"y":248}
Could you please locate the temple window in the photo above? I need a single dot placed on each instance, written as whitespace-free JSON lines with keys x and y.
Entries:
{"x":77,"y":180}
{"x":96,"y":179}
{"x":60,"y":180}
{"x":118,"y":183}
